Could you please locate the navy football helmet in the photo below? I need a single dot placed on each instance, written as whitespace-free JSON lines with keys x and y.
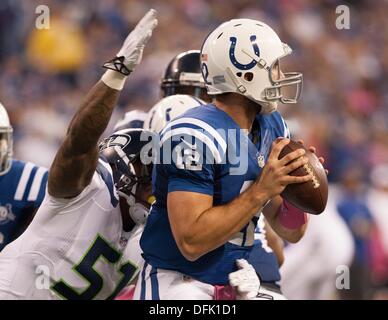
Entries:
{"x":183,"y":76}
{"x":131,"y":120}
{"x":122,"y":149}
{"x":130,"y":154}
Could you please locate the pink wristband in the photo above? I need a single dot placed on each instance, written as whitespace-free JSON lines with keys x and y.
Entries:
{"x":291,"y":217}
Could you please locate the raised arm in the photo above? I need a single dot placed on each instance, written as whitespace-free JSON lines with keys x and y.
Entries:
{"x":76,"y":159}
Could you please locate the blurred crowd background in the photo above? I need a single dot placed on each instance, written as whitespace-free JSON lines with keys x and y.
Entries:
{"x":44,"y":75}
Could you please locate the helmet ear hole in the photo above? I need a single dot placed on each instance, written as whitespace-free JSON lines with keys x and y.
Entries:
{"x":248,"y":76}
{"x":239,"y":74}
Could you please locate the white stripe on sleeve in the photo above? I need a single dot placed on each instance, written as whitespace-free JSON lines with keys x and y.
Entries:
{"x":23,"y":181}
{"x":197,"y":134}
{"x":35,"y":187}
{"x":286,"y":133}
{"x":203,"y":125}
{"x":21,"y":188}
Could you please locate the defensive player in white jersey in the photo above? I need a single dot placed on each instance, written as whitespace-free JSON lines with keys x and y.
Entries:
{"x":134,"y":119}
{"x":79,"y":235}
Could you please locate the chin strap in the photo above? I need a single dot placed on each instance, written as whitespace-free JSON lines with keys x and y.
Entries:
{"x":240,"y":88}
{"x":268,"y":107}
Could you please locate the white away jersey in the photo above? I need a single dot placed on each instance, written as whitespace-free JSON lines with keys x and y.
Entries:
{"x":73,"y":249}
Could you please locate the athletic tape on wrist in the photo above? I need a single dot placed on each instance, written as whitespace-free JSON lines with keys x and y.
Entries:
{"x":291,"y":217}
{"x":114,"y":79}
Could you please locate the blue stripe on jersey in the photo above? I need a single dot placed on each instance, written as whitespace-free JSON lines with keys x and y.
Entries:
{"x":108,"y":179}
{"x":254,"y":220}
{"x":143,"y":284}
{"x":154,"y":284}
{"x":29,"y":183}
{"x":244,"y":238}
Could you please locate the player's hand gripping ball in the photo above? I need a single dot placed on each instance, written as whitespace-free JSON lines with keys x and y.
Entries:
{"x":310,"y":196}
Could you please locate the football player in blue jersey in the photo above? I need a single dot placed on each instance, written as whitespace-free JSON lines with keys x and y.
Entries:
{"x":183,"y":76}
{"x":22,"y":187}
{"x":219,"y":169}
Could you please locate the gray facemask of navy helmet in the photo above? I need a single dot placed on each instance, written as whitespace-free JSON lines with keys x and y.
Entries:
{"x":121,"y":150}
{"x":126,"y":187}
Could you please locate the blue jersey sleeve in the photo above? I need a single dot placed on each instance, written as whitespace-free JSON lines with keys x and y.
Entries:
{"x":188,"y":179}
{"x":280,"y":125}
{"x":189,"y":156}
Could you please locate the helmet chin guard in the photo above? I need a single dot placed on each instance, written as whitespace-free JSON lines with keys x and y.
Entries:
{"x":137,"y":211}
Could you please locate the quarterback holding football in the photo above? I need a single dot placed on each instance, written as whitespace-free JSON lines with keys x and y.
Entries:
{"x":207,"y":203}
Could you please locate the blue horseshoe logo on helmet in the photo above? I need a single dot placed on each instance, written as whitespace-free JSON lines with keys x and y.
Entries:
{"x":232,"y":56}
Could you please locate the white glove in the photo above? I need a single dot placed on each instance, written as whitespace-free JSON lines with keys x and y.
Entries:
{"x":130,"y":53}
{"x":245,"y":280}
{"x":132,"y":49}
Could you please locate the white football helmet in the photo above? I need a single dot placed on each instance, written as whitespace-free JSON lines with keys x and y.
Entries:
{"x":242,"y":56}
{"x":5,"y":141}
{"x":168,"y":109}
{"x":132,"y":120}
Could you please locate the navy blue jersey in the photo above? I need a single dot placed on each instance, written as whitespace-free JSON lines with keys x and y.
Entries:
{"x":205,"y":151}
{"x":262,"y":257}
{"x":22,"y":190}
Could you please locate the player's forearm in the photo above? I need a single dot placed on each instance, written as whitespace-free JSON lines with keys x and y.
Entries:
{"x":76,"y":160}
{"x":91,"y":120}
{"x":217,"y":225}
{"x":272,"y":214}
